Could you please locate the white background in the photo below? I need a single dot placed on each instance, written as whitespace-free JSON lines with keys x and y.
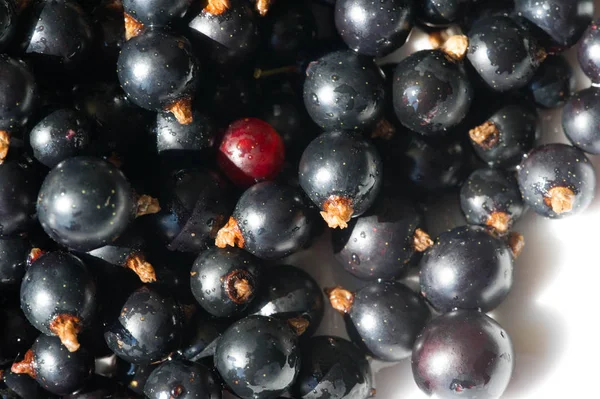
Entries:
{"x":550,"y":313}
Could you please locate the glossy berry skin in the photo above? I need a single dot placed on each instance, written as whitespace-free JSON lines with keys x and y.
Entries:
{"x":58,"y":284}
{"x":587,"y":53}
{"x":333,"y":368}
{"x":196,"y":204}
{"x":290,"y":292}
{"x":488,"y":191}
{"x":442,"y":13}
{"x":201,"y":335}
{"x":374,"y":29}
{"x":553,"y":83}
{"x":468,"y":267}
{"x":431,"y":93}
{"x":174,"y":140}
{"x":581,"y":118}
{"x":274,"y":218}
{"x":8,"y":22}
{"x":563,"y":20}
{"x":250,"y":151}
{"x":214,"y":276}
{"x":13,"y":255}
{"x":341,"y":164}
{"x":148,"y":328}
{"x":556,"y":165}
{"x":387,"y":317}
{"x":235,"y":29}
{"x":17,"y":101}
{"x":463,"y":354}
{"x":504,"y":54}
{"x":182,"y":380}
{"x":263,"y":353}
{"x":23,"y":386}
{"x":56,"y":369}
{"x":17,"y":334}
{"x":156,"y":13}
{"x":518,"y":127}
{"x":161,"y":57}
{"x":63,"y":134}
{"x":56,"y":34}
{"x":18,"y":189}
{"x":85,"y":203}
{"x":344,"y":91}
{"x":379,"y":244}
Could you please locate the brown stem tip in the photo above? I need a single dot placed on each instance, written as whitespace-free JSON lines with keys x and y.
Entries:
{"x":500,"y":221}
{"x":239,"y":287}
{"x":133,"y":27}
{"x":438,"y":38}
{"x":147,"y":205}
{"x":66,"y":327}
{"x":230,"y":234}
{"x":4,"y":145}
{"x":182,"y":110}
{"x":34,"y":255}
{"x":217,"y":7}
{"x":340,"y":299}
{"x":337,"y":211}
{"x":516,"y":242}
{"x":421,"y":241}
{"x":145,"y":271}
{"x":299,"y":325}
{"x":384,"y":130}
{"x":455,"y":47}
{"x":262,"y":6}
{"x":25,"y":366}
{"x":372,"y":393}
{"x":560,"y":199}
{"x":485,"y":135}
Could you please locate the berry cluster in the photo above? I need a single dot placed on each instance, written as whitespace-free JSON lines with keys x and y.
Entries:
{"x":159,"y":160}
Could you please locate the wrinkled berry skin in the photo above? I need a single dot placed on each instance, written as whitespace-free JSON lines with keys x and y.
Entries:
{"x":85,"y":203}
{"x":345,"y":91}
{"x":209,"y":279}
{"x":156,"y":56}
{"x":333,"y":368}
{"x":556,"y":165}
{"x":250,"y":151}
{"x":18,"y":189}
{"x":463,"y":354}
{"x":58,"y":370}
{"x":387,"y":317}
{"x":263,"y":353}
{"x":17,"y":99}
{"x":553,"y":83}
{"x":63,"y":134}
{"x":504,"y":54}
{"x":196,"y":203}
{"x":182,"y":380}
{"x":581,"y":120}
{"x":290,"y":292}
{"x":148,"y":328}
{"x":431,"y":93}
{"x":563,"y":20}
{"x":342,"y":164}
{"x":467,"y":268}
{"x":491,"y":190}
{"x":379,"y":244}
{"x":374,"y":29}
{"x":274,"y":218}
{"x":57,"y":283}
{"x":156,"y":13}
{"x":56,"y":34}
